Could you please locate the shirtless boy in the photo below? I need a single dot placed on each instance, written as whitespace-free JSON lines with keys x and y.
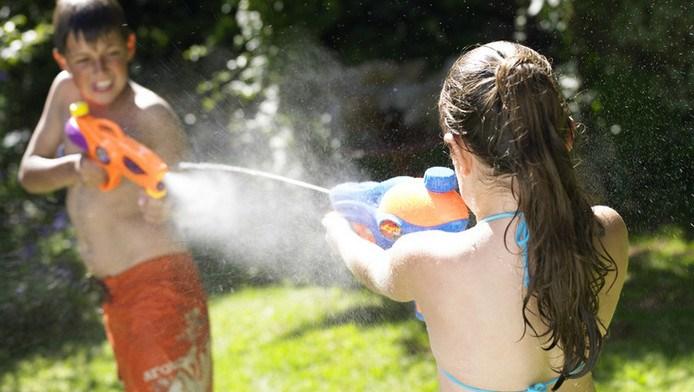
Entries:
{"x":156,"y":312}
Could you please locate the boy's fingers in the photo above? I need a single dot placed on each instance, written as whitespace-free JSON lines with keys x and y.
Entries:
{"x":153,"y":210}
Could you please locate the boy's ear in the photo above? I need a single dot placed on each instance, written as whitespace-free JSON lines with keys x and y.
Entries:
{"x":60,"y":59}
{"x":131,"y":44}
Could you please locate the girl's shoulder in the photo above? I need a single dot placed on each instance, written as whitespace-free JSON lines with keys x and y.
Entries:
{"x":615,"y":237}
{"x":608,"y":216}
{"x":612,"y":222}
{"x":436,"y":245}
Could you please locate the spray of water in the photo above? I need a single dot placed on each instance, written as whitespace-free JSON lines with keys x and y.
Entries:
{"x":251,"y":172}
{"x":267,"y":224}
{"x":262,"y":219}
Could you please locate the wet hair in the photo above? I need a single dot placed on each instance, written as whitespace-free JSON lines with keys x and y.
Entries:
{"x":504,"y":102}
{"x":90,"y":18}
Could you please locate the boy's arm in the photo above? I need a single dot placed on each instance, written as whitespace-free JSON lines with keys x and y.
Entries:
{"x":40,"y":171}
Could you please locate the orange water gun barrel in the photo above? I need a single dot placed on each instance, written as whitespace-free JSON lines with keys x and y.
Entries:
{"x":105,"y":143}
{"x":416,"y":204}
{"x":384,"y":211}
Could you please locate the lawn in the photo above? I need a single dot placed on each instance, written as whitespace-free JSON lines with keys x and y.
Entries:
{"x":309,"y":338}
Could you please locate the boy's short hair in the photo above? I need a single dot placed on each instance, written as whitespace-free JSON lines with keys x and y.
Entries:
{"x":91,"y":18}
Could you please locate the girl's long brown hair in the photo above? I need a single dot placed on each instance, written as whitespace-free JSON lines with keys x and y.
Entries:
{"x":503,"y":101}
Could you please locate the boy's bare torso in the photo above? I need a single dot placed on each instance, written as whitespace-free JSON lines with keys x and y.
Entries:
{"x":111,"y":231}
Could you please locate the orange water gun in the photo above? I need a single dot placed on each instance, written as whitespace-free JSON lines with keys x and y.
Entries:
{"x":105,"y":142}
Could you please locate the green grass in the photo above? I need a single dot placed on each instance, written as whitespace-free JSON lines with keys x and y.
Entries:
{"x":651,"y":343}
{"x":288,"y":338}
{"x":310,"y":339}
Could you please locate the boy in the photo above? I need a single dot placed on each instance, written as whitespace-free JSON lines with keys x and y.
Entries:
{"x":155,"y":314}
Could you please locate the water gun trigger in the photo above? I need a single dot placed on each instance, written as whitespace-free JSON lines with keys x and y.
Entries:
{"x":112,"y":180}
{"x":390,"y":226}
{"x":360,"y":217}
{"x":99,"y":153}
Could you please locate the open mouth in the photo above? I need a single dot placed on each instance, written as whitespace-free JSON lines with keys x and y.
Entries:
{"x":102,"y":86}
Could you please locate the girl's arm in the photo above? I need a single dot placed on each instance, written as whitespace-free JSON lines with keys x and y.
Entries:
{"x":386,"y":272}
{"x":616,"y":243}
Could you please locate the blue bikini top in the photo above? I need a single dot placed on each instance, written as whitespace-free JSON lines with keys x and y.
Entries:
{"x":522,"y":237}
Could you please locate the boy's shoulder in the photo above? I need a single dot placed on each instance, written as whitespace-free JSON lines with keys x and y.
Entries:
{"x":146,"y":99}
{"x":64,"y":89}
{"x":151,"y":104}
{"x":156,"y":124}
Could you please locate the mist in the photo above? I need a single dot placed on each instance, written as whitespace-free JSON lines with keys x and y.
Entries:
{"x":299,"y":128}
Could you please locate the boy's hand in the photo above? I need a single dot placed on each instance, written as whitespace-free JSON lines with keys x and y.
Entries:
{"x":89,"y":172}
{"x":155,"y":211}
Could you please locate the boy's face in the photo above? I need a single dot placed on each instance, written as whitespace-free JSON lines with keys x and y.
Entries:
{"x":99,"y":68}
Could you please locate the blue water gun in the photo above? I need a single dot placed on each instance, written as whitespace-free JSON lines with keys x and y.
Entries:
{"x":384,"y":211}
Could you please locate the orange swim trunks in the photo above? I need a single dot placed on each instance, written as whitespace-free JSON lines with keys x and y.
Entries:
{"x":156,"y":321}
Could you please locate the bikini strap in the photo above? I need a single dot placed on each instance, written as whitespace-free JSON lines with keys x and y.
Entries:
{"x":501,"y":215}
{"x":522,"y":237}
{"x":539,"y":387}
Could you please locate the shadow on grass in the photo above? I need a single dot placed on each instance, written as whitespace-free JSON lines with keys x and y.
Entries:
{"x":360,"y":315}
{"x":368,"y":316}
{"x":656,"y":312}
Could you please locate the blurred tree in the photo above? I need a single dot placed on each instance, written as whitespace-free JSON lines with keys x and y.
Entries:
{"x":38,"y":263}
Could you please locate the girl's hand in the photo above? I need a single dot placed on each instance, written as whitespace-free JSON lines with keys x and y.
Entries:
{"x":154,"y":211}
{"x":335,"y":226}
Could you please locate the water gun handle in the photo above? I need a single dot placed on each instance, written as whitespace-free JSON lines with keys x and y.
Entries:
{"x":83,"y":131}
{"x":360,"y":216}
{"x":356,"y":202}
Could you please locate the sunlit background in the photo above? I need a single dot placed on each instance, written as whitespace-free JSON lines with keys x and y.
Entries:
{"x":328,"y":91}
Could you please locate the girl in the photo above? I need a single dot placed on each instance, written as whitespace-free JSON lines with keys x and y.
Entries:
{"x":522,"y":300}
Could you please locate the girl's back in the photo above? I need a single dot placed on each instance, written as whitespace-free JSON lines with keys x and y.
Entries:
{"x":470,"y":289}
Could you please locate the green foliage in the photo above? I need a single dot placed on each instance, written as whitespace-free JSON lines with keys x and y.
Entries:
{"x":43,"y":292}
{"x":17,"y":44}
{"x":635,"y":59}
